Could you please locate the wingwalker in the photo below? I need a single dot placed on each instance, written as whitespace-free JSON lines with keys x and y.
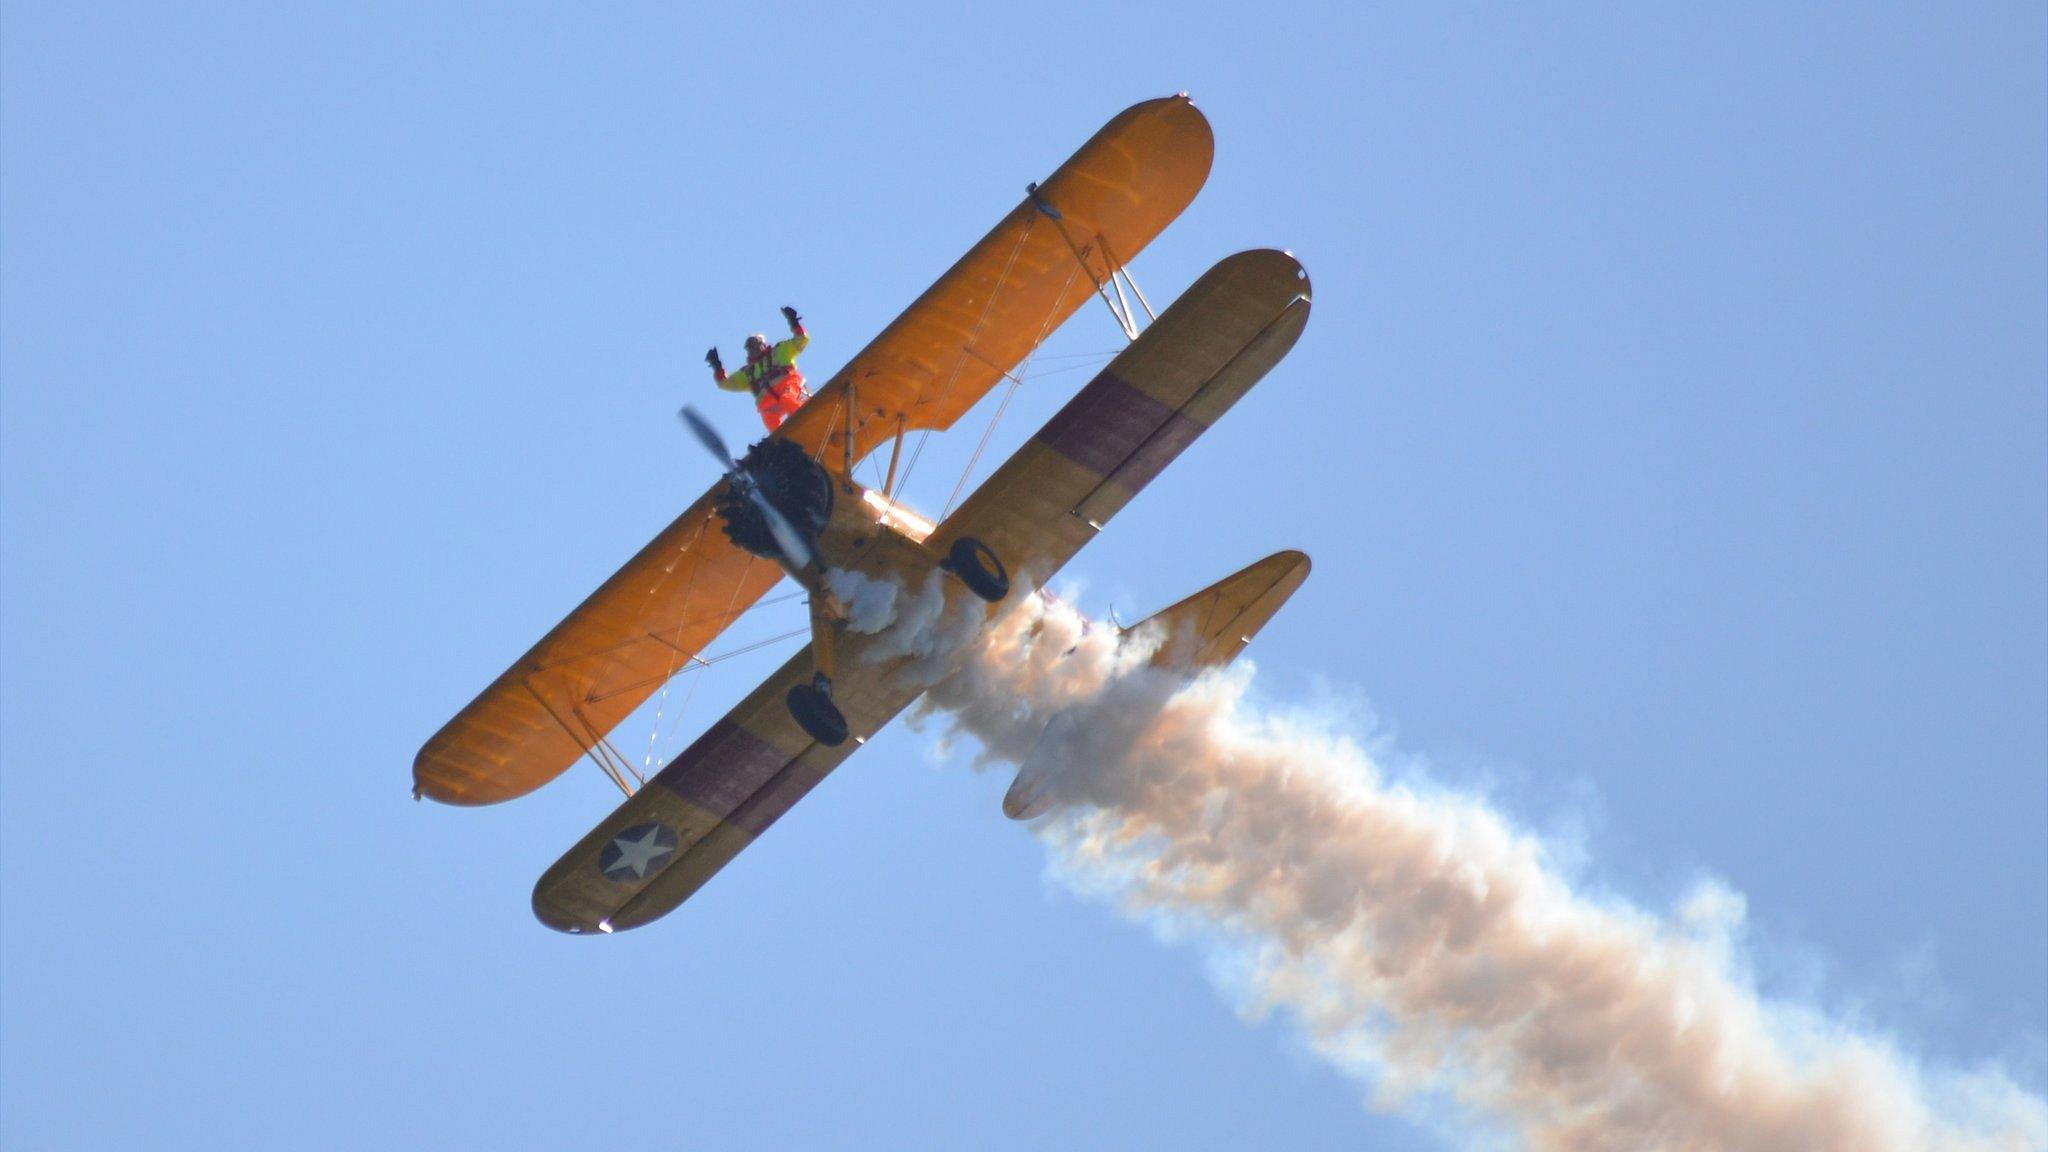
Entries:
{"x":790,"y":507}
{"x":770,"y":372}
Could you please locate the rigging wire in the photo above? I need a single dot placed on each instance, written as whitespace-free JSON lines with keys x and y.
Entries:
{"x":690,"y":690}
{"x":699,"y":662}
{"x":1010,"y":393}
{"x":1079,"y":356}
{"x":661,"y":704}
{"x":1040,"y":375}
{"x":838,"y":406}
{"x":743,"y":649}
{"x":1030,"y":223}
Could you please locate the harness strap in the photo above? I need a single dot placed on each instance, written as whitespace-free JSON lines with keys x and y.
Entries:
{"x":768,"y":375}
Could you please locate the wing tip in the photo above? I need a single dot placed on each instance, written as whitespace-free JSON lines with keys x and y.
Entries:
{"x":1290,"y":568}
{"x":1280,"y":257}
{"x":1296,"y":560}
{"x":1176,"y":119}
{"x":433,"y":778}
{"x":567,"y":925}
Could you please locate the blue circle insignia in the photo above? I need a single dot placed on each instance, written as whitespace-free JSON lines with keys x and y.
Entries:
{"x":638,"y":852}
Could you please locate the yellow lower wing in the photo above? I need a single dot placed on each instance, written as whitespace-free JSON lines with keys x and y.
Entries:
{"x":1179,"y":377}
{"x":671,"y":836}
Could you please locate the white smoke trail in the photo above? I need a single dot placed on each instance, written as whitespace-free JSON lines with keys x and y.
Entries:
{"x":869,"y":605}
{"x":1425,"y":943}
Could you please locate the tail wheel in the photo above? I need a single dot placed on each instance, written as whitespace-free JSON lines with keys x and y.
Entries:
{"x":811,"y":705}
{"x":979,"y":569}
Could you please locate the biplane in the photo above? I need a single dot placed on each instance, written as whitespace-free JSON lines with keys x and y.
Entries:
{"x":790,"y":508}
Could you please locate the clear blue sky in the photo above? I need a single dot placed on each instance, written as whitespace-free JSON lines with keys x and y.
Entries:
{"x":1671,"y":438}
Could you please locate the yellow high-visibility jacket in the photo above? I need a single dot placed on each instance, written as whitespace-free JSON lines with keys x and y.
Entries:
{"x":758,"y":376}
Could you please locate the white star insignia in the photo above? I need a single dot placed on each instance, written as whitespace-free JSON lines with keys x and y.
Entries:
{"x":639,"y":854}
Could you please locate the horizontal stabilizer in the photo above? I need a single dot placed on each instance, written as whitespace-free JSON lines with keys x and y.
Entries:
{"x":1211,"y":627}
{"x":1206,"y":630}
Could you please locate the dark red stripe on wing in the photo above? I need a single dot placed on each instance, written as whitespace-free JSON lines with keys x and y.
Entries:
{"x":1117,"y":430}
{"x":723,"y":768}
{"x":777,"y":796}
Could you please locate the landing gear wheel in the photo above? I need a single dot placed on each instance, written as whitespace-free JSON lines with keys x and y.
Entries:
{"x":815,"y":713}
{"x":979,"y":569}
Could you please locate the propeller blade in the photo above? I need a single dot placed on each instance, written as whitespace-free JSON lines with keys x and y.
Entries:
{"x":794,"y":548}
{"x":709,"y":437}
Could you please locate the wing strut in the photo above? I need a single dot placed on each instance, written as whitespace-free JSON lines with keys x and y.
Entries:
{"x":852,"y":418}
{"x":967,"y":348}
{"x":1116,"y":281}
{"x":895,"y":454}
{"x":1016,"y":381}
{"x":613,"y":763}
{"x":1123,"y":271}
{"x":616,"y":767}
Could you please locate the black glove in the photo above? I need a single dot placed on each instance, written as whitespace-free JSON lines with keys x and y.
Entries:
{"x":711,"y":358}
{"x":796,"y":322}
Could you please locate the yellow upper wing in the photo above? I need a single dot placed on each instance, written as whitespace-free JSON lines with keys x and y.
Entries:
{"x":1019,"y":283}
{"x":591,"y":670}
{"x":925,"y":369}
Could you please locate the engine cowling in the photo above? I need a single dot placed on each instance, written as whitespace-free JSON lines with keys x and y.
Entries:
{"x":799,"y":487}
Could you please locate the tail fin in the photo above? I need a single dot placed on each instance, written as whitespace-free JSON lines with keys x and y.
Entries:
{"x":1206,"y":630}
{"x":1211,"y":627}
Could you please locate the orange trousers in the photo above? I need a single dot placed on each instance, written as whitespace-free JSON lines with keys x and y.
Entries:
{"x":780,"y":401}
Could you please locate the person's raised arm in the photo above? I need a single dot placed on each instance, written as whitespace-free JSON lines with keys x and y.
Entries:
{"x":718,"y":374}
{"x":798,"y":338}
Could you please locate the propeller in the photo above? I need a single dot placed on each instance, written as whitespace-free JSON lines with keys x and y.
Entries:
{"x":709,"y":438}
{"x":795,"y":548}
